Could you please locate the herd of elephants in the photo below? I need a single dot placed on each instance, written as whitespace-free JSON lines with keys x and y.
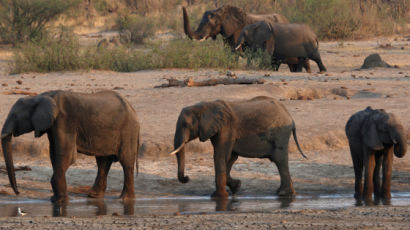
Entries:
{"x":105,"y":125}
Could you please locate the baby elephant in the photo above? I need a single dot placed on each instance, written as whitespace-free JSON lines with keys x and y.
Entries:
{"x":286,"y":43}
{"x":102,"y":124}
{"x":373,"y":136}
{"x":255,"y":128}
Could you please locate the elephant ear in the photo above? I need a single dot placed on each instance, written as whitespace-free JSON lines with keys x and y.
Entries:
{"x":214,"y":117}
{"x":44,"y":115}
{"x":263,"y":31}
{"x":370,"y":133}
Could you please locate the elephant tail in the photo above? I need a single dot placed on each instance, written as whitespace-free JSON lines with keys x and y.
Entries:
{"x":296,"y":140}
{"x":138,"y":151}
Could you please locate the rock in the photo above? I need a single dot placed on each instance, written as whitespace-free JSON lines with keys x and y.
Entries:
{"x":19,"y":82}
{"x":374,"y":60}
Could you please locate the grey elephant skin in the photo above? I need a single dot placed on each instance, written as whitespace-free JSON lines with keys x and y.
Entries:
{"x":228,"y":21}
{"x":374,"y":135}
{"x":284,"y":42}
{"x":102,"y":124}
{"x":255,"y":128}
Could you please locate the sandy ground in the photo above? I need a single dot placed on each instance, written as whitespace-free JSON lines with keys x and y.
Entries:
{"x":319,"y":103}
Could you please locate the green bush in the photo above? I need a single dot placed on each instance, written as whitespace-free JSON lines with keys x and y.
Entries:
{"x":138,"y":26}
{"x":24,"y":20}
{"x":63,"y":52}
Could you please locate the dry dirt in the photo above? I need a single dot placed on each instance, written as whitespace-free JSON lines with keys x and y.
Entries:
{"x":319,"y":103}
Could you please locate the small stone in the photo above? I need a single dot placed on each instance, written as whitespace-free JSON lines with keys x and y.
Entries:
{"x":369,"y":83}
{"x":5,"y":84}
{"x":343,"y":87}
{"x":353,"y":76}
{"x":19,"y":82}
{"x":400,"y":72}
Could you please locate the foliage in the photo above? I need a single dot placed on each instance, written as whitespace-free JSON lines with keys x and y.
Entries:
{"x":138,"y":27}
{"x":63,"y":52}
{"x":23,"y":20}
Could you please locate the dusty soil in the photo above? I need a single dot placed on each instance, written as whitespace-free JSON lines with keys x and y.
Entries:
{"x":319,"y":103}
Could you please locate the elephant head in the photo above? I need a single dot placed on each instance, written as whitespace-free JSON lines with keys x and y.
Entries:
{"x":257,"y":36}
{"x":203,"y":120}
{"x":225,"y":20}
{"x":383,"y":128}
{"x":28,"y":114}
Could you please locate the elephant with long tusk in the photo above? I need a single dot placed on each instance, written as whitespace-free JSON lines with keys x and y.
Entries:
{"x":255,"y":128}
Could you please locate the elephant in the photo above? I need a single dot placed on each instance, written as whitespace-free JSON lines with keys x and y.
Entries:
{"x":284,"y":42}
{"x":228,"y":21}
{"x":256,"y":128}
{"x":373,"y":136}
{"x":101,"y":124}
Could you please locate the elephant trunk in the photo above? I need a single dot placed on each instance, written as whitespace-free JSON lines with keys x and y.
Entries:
{"x":179,"y":145}
{"x":8,"y":158}
{"x":400,"y":146}
{"x":187,"y":27}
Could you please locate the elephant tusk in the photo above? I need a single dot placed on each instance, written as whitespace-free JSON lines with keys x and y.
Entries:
{"x":203,"y":39}
{"x":238,"y":47}
{"x":395,"y":141}
{"x":177,"y":150}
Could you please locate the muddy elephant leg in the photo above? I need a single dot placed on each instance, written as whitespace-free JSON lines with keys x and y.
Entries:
{"x":233,"y":184}
{"x":369,"y":164}
{"x":387,"y":172}
{"x":280,"y":158}
{"x":128,"y":165}
{"x":275,"y":63}
{"x":100,"y":184}
{"x":61,"y":153}
{"x":376,"y":175}
{"x":316,"y":58}
{"x":222,"y":147}
{"x":306,"y":65}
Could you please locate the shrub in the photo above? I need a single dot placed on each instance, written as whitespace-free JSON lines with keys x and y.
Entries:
{"x":23,"y":20}
{"x":63,"y":52}
{"x":138,"y":27}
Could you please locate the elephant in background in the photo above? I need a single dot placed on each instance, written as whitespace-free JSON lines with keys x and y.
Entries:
{"x":102,"y":124}
{"x":286,"y":43}
{"x":255,"y":128}
{"x":228,"y":21}
{"x":373,"y":136}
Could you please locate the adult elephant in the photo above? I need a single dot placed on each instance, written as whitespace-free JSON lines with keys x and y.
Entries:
{"x":256,"y":128}
{"x":102,"y":124}
{"x":228,"y":21}
{"x":284,"y":42}
{"x":373,"y":136}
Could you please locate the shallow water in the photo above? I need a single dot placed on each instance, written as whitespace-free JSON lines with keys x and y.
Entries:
{"x":184,"y":205}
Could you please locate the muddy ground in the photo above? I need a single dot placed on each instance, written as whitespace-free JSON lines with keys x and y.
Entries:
{"x":319,"y":103}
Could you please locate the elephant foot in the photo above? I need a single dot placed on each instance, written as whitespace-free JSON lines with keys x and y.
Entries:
{"x":127,"y":196}
{"x":93,"y":193}
{"x":288,"y":192}
{"x":386,"y":196}
{"x":234,"y":185}
{"x":59,"y":199}
{"x":220,"y":195}
{"x":358,"y":196}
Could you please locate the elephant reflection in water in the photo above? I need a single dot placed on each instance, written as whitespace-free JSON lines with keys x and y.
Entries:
{"x":101,"y":208}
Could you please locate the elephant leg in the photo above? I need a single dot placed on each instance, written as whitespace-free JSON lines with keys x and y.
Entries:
{"x":100,"y":184}
{"x":369,"y":163}
{"x":275,"y":63}
{"x":316,"y":58}
{"x":280,"y":158}
{"x":61,"y":155}
{"x":222,"y":147}
{"x":306,"y":65}
{"x":299,"y":65}
{"x":387,"y":173}
{"x":233,"y":184}
{"x":292,"y":67}
{"x":357,"y":158}
{"x":128,"y":165}
{"x":376,"y":175}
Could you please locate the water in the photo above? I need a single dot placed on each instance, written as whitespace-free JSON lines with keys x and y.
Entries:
{"x":183,"y":205}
